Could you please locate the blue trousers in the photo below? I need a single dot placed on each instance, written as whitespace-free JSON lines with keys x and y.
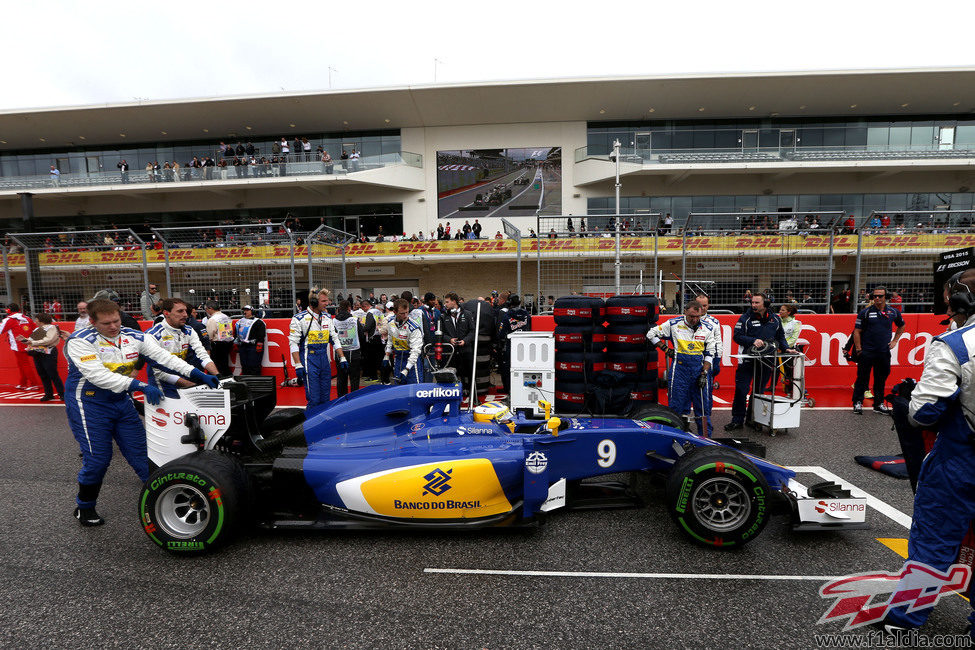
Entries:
{"x":95,"y":423}
{"x":683,"y":393}
{"x":415,"y":375}
{"x":944,"y":507}
{"x":318,"y":377}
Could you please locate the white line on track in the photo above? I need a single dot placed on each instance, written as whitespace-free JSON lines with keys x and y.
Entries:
{"x":608,"y":574}
{"x":880,"y":506}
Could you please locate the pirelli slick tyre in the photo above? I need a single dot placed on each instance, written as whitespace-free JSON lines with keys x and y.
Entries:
{"x":718,"y":497}
{"x":657,"y":413}
{"x":578,"y":310}
{"x":195,"y":503}
{"x":637,"y":365}
{"x":626,"y":338}
{"x":643,"y":310}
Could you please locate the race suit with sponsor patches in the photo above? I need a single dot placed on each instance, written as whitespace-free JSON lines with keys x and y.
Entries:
{"x":693,"y":346}
{"x":944,"y":506}
{"x":405,"y":343}
{"x":182,"y":342}
{"x":309,"y":336}
{"x":97,"y":401}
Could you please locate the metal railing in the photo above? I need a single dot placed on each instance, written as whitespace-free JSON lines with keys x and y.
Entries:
{"x":792,"y":153}
{"x":291,"y":165}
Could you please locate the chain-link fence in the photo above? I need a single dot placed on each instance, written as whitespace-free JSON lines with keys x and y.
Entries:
{"x":579,"y":255}
{"x":907,"y":275}
{"x":64,"y":268}
{"x":234,"y":265}
{"x":8,"y":295}
{"x":728,"y":256}
{"x":326,"y":260}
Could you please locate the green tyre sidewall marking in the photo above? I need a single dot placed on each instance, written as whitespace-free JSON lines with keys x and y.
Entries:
{"x":218,"y":503}
{"x":737,"y":468}
{"x":142,"y":517}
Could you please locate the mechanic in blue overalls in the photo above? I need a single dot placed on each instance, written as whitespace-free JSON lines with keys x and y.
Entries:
{"x":308,"y":337}
{"x":944,"y":399}
{"x":694,"y":351}
{"x":872,"y":341}
{"x":101,"y":359}
{"x":757,"y":328}
{"x":404,"y":345}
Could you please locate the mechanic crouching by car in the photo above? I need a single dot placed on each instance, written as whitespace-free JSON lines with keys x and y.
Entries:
{"x":100,"y":359}
{"x":308,"y":338}
{"x":944,"y":399}
{"x":695,"y":348}
{"x":404,"y":345}
{"x":757,"y":328}
{"x":180,"y":340}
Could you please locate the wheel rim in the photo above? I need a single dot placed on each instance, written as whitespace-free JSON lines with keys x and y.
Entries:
{"x":721,"y":504}
{"x":183,"y":510}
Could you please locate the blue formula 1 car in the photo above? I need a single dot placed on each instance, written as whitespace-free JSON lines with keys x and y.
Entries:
{"x":408,"y":456}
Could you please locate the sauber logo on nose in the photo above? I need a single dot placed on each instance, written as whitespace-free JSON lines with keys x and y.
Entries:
{"x":437,"y":482}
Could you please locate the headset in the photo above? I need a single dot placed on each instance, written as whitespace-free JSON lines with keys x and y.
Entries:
{"x":961,"y":300}
{"x":766,"y":301}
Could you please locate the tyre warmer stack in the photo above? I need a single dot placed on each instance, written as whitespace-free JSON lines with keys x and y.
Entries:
{"x":603,"y":361}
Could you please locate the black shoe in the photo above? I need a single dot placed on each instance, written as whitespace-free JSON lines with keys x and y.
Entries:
{"x":881,"y":408}
{"x":88,"y":517}
{"x":734,"y":426}
{"x":47,"y":398}
{"x":858,"y":408}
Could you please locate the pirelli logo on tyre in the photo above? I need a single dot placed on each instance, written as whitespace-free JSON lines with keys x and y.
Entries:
{"x":578,"y":398}
{"x":581,"y":312}
{"x":628,"y":311}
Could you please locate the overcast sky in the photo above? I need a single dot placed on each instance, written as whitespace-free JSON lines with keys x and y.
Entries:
{"x":68,"y":53}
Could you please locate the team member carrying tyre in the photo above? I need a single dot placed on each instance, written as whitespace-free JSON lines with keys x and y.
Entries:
{"x":404,"y":345}
{"x":100,"y":359}
{"x":308,"y":337}
{"x":757,"y":328}
{"x":694,"y":351}
{"x":180,"y":340}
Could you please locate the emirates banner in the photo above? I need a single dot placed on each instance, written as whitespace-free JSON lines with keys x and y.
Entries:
{"x":920,"y":243}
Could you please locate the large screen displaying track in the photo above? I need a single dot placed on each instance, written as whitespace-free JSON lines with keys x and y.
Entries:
{"x":480,"y":183}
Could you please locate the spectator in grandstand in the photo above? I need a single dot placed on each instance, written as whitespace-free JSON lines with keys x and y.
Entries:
{"x":551,"y":233}
{"x":667,"y":224}
{"x":896,"y":301}
{"x":467,"y":229}
{"x":123,"y":168}
{"x":498,"y":235}
{"x":327,"y":163}
{"x":147,"y":299}
{"x":531,"y":234}
{"x":446,"y":231}
{"x":476,"y":229}
{"x":440,"y":231}
{"x":345,"y":160}
{"x":850,"y":225}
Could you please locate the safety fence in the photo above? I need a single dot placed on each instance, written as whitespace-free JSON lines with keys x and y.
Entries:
{"x":325,"y":250}
{"x":825,"y":262}
{"x":8,"y":290}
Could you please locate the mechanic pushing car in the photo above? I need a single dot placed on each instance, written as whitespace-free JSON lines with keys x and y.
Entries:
{"x":695,"y":347}
{"x":944,"y":399}
{"x":100,"y":359}
{"x":757,"y":329}
{"x":308,"y":338}
{"x":180,"y":340}
{"x":404,"y":345}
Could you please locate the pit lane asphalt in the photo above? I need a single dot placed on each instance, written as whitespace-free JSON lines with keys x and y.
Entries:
{"x":68,"y":587}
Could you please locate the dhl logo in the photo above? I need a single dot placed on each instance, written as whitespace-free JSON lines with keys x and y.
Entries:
{"x":119,"y":256}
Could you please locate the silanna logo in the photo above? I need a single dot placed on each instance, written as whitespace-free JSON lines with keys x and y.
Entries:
{"x":437,"y":482}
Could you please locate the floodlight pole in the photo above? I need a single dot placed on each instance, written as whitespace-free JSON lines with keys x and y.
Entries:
{"x":616,"y":266}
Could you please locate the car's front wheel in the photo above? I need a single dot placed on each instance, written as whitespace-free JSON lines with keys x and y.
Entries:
{"x":195,"y":503}
{"x":718,"y":497}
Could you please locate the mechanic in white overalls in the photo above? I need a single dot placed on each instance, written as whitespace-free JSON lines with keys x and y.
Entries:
{"x":404,"y":345}
{"x":345,"y":342}
{"x":180,"y":340}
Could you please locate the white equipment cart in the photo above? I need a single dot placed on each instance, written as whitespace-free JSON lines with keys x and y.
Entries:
{"x":776,"y":411}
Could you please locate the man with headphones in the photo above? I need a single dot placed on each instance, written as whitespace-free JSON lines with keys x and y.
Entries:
{"x":757,"y":328}
{"x":872,"y":343}
{"x":944,"y":400}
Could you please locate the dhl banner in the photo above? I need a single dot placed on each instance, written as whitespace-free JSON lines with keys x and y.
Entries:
{"x":876,"y":244}
{"x":822,"y":338}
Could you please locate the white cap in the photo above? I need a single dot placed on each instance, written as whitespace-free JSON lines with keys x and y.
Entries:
{"x":389,"y":305}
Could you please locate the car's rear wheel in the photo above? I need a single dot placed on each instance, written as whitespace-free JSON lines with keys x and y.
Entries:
{"x":718,"y":497}
{"x":195,"y":503}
